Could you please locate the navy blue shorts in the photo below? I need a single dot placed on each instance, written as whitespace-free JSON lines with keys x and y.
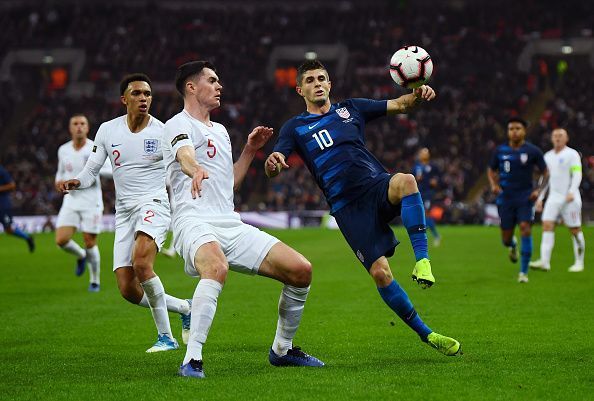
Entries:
{"x":364,"y":223}
{"x":5,"y":218}
{"x":514,"y":211}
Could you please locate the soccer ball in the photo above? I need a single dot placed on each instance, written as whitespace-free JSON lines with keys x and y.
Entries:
{"x":411,"y":67}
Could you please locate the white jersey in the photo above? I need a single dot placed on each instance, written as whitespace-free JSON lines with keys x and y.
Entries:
{"x":136,"y":159}
{"x":213,"y":153}
{"x":564,"y":167}
{"x":71,"y":162}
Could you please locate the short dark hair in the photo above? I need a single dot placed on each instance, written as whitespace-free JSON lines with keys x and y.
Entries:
{"x":78,"y":115}
{"x":518,"y":120}
{"x":137,"y":76}
{"x":308,"y":65}
{"x":188,"y":70}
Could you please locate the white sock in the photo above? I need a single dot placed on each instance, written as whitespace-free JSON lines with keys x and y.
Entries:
{"x":173,"y":304}
{"x":204,"y":306}
{"x":155,"y":293}
{"x":579,"y":247}
{"x":546,"y":247}
{"x":290,"y":310}
{"x":94,"y":259}
{"x":73,"y":248}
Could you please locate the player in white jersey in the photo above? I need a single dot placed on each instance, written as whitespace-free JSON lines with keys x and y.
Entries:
{"x":133,"y":143}
{"x":208,"y":234}
{"x":82,"y":208}
{"x":564,"y":200}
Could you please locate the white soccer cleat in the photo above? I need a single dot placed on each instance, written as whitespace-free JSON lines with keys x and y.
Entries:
{"x":164,"y":343}
{"x":576,"y":268}
{"x":522,"y":278}
{"x":539,"y":265}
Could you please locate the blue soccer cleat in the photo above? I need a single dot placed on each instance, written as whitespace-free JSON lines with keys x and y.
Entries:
{"x":164,"y":343}
{"x":186,"y":320}
{"x":192,"y":369}
{"x":94,"y":287}
{"x":81,"y":265}
{"x":294,"y":357}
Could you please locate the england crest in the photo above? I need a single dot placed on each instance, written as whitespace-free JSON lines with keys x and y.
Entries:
{"x":151,"y":146}
{"x":524,"y":158}
{"x":343,"y":112}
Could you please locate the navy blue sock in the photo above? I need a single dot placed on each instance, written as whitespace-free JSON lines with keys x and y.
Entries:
{"x":413,"y":218}
{"x":395,"y":297}
{"x":17,"y":232}
{"x":432,"y":227}
{"x":512,"y":242}
{"x":526,"y":253}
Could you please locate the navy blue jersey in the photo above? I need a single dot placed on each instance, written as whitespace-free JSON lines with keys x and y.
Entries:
{"x":5,"y":178}
{"x":516,"y":167}
{"x":332,"y":145}
{"x":424,"y":174}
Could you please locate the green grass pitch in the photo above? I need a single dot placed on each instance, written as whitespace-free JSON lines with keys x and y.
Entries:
{"x":520,"y":342}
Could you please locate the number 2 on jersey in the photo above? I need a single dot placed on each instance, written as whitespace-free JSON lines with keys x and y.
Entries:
{"x":117,"y":155}
{"x":148,"y":215}
{"x":323,"y":139}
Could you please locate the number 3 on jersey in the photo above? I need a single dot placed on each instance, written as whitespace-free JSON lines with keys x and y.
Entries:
{"x":323,"y":139}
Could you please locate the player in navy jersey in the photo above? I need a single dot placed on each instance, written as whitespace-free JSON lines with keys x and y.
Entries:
{"x":427,"y":175}
{"x":363,"y":197}
{"x":510,"y":174}
{"x":6,"y":186}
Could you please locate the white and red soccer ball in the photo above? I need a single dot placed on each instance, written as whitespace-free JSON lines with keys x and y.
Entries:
{"x":411,"y":67}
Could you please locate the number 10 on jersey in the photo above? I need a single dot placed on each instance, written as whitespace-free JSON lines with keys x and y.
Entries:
{"x":323,"y":139}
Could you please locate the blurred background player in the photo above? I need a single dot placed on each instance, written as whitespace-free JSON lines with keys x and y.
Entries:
{"x":133,"y":144}
{"x":209,"y":234}
{"x":427,"y":176}
{"x":363,"y":197}
{"x":564,"y":200}
{"x":7,"y":185}
{"x":510,"y":174}
{"x":80,"y":209}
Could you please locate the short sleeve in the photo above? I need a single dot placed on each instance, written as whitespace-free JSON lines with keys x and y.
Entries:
{"x":370,"y":109}
{"x":540,"y":161}
{"x":5,"y":177}
{"x":99,"y":152}
{"x":286,"y":140}
{"x":494,"y":162}
{"x":178,"y":134}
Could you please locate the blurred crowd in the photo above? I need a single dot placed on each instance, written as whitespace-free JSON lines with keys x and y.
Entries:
{"x":474,"y":46}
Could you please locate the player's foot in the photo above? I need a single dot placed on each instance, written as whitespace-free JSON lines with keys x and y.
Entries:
{"x":170,"y":252}
{"x":81,"y":265}
{"x":422,"y":274}
{"x":192,"y":369}
{"x":186,"y":319}
{"x":31,"y":243}
{"x":576,"y":268}
{"x":436,"y":242}
{"x":94,"y":287}
{"x":446,"y":345}
{"x":522,"y":278}
{"x":539,"y":265}
{"x":513,"y":251}
{"x":164,"y":343}
{"x":294,"y":357}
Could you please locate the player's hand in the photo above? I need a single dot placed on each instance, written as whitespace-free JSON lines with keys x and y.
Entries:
{"x":424,"y":92}
{"x":534,"y":195}
{"x":496,"y":189}
{"x":569,"y":198}
{"x":69,"y":185}
{"x":274,"y":164}
{"x":58,"y":185}
{"x":259,"y":136}
{"x":199,"y":175}
{"x":538,"y":206}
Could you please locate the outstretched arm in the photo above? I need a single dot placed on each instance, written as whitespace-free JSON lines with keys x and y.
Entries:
{"x":186,"y":156}
{"x":256,"y":140}
{"x":406,"y":103}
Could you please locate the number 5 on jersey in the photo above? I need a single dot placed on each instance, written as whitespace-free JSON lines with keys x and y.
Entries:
{"x":212,"y":150}
{"x":323,"y":139}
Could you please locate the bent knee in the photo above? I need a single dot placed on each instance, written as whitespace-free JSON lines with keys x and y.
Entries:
{"x":381,"y":274}
{"x":404,"y":184}
{"x":301,"y":275}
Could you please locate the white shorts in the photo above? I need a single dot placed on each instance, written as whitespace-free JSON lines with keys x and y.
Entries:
{"x":151,"y":218}
{"x":88,"y":221}
{"x":244,"y":246}
{"x":570,"y":212}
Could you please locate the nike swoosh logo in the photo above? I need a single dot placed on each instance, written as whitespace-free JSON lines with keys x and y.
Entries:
{"x":113,"y":146}
{"x":313,"y":126}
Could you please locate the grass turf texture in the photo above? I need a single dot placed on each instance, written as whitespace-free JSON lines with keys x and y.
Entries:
{"x":520,"y":341}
